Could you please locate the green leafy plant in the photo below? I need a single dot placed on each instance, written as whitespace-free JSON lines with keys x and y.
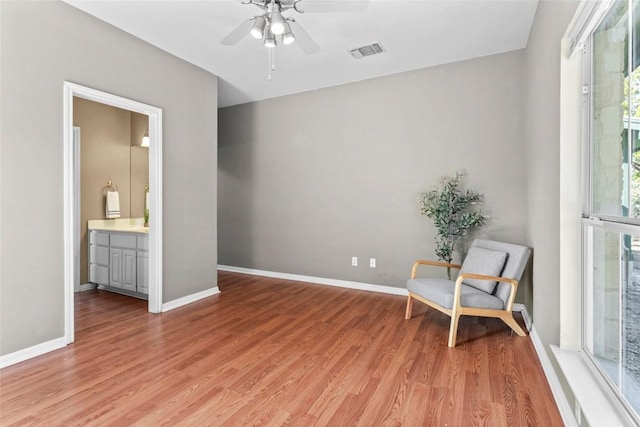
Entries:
{"x":454,"y":212}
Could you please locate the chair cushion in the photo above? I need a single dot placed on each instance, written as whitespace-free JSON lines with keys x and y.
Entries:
{"x":441,"y":291}
{"x":517,"y":258}
{"x":486,"y":262}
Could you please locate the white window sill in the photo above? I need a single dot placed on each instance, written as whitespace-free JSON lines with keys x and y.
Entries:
{"x":596,"y":407}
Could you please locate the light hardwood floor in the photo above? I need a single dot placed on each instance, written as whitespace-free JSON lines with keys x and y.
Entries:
{"x":275,"y":352}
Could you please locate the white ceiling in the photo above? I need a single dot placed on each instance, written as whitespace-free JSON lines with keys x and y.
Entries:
{"x":414,"y":33}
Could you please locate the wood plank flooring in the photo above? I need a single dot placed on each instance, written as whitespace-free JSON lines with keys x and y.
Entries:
{"x":275,"y":352}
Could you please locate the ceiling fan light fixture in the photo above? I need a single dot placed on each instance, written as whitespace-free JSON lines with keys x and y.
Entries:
{"x":288,"y":37}
{"x":257,"y":30}
{"x":277,"y":23}
{"x":269,"y":37}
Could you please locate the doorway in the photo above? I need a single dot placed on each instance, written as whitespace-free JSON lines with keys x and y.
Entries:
{"x":71,"y":196}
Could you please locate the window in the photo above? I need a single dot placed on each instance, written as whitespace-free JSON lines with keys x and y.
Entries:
{"x":611,"y":290}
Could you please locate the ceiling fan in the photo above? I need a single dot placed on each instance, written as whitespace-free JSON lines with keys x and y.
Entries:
{"x":273,"y":28}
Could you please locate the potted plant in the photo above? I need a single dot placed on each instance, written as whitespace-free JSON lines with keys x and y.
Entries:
{"x":454,"y":212}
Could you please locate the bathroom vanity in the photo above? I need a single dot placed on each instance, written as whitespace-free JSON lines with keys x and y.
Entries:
{"x":119,"y":256}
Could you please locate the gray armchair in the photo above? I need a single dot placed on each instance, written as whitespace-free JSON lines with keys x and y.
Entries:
{"x":486,"y":285}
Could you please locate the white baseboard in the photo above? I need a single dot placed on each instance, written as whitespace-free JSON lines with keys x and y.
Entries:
{"x":566,"y":411}
{"x":31,"y":352}
{"x":87,"y":287}
{"x":171,"y":305}
{"x":318,"y":280}
{"x":525,"y":315}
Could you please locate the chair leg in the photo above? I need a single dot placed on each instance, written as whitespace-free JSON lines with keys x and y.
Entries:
{"x":407,"y":313}
{"x":453,"y":330}
{"x":511,"y":322}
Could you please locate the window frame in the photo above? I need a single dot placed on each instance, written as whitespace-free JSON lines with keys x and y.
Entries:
{"x":591,"y":221}
{"x":601,"y":376}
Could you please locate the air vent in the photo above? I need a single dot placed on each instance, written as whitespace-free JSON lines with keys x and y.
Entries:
{"x":368,"y":50}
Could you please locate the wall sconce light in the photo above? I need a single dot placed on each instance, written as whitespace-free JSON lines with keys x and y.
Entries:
{"x":145,"y":139}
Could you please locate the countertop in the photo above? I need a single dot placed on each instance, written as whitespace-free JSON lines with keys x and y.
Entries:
{"x":122,"y":225}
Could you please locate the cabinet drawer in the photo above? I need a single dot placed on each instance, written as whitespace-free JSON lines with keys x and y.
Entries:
{"x":123,"y":241}
{"x":98,"y":238}
{"x":143,"y":243}
{"x":99,"y":274}
{"x":99,"y":255}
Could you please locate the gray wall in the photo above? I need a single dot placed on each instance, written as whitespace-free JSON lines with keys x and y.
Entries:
{"x":307,"y":181}
{"x":542,"y":137}
{"x":44,"y":44}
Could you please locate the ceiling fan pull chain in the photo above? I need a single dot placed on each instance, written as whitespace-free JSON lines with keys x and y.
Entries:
{"x":269,"y":72}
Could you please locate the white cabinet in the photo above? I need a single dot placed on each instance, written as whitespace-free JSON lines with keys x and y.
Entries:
{"x":99,"y":238}
{"x":119,"y":261}
{"x":143,"y":272}
{"x":115,"y":267}
{"x":129,"y":267}
{"x":122,"y":269}
{"x":99,"y":257}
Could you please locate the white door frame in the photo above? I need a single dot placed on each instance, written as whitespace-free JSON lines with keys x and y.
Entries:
{"x":76,"y":206}
{"x":72,"y":90}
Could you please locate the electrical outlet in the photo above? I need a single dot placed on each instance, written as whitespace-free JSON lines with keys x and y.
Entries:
{"x":354,"y":261}
{"x":372,"y":262}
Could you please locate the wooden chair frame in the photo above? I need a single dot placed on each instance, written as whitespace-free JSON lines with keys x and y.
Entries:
{"x":457,"y":310}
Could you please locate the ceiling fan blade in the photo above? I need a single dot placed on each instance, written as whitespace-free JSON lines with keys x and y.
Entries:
{"x":303,"y":39}
{"x":236,"y":35}
{"x":320,"y":6}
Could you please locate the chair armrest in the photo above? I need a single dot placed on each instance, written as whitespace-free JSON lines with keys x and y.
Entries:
{"x":434,"y":263}
{"x":512,"y":282}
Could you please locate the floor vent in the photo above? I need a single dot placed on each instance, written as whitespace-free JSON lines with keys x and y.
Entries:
{"x":367,"y":50}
